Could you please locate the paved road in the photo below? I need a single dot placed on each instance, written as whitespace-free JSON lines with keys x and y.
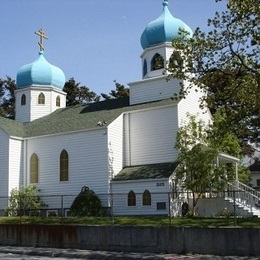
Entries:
{"x":27,"y":257}
{"x":29,"y":253}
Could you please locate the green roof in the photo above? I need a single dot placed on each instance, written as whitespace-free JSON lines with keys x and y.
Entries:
{"x":148,"y":171}
{"x":76,"y":118}
{"x":12,"y":127}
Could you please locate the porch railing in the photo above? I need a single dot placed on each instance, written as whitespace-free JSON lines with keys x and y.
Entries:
{"x":244,"y":195}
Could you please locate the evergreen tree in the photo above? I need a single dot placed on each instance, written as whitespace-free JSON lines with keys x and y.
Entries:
{"x":7,"y":100}
{"x":77,"y":94}
{"x":86,"y":204}
{"x":120,"y":92}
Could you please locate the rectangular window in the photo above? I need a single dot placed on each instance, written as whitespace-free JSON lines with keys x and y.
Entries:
{"x":52,"y":213}
{"x":258,"y":182}
{"x":161,"y":205}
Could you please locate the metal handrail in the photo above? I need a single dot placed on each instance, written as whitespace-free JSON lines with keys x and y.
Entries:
{"x":243,"y":194}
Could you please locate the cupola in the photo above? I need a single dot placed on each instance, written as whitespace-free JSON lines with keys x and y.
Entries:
{"x":163,"y":29}
{"x":40,"y":73}
{"x":39,"y":88}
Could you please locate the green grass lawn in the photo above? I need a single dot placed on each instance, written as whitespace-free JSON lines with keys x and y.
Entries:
{"x":136,"y":221}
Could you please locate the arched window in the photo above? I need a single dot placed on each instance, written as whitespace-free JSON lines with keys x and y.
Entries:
{"x":41,"y":99}
{"x":147,"y":198}
{"x":157,"y":62}
{"x":34,"y":168}
{"x":64,"y":166}
{"x":176,"y":60}
{"x":23,"y":100}
{"x":131,"y":200}
{"x":144,"y":68}
{"x":58,"y":101}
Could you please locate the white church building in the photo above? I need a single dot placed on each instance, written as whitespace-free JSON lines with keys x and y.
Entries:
{"x":123,"y":147}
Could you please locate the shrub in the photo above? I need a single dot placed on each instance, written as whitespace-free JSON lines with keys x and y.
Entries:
{"x":24,"y":200}
{"x":86,"y":204}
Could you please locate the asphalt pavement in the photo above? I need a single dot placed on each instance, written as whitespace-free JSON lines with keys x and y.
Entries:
{"x":24,"y":253}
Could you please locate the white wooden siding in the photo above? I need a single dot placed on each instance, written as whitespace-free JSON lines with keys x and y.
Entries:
{"x":4,"y":162}
{"x":115,"y":146}
{"x":32,"y":110}
{"x":54,"y":94}
{"x":153,"y":89}
{"x":191,"y":105}
{"x":15,"y":164}
{"x":22,"y":113}
{"x":158,"y":188}
{"x":150,"y":136}
{"x":40,"y":110}
{"x":88,"y":162}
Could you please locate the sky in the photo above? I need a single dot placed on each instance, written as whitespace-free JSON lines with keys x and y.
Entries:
{"x":93,"y":41}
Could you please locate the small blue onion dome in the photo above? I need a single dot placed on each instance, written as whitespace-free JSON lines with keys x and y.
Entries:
{"x":164,"y":29}
{"x":40,"y":72}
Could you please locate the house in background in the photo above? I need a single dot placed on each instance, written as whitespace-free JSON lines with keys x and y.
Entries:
{"x":123,"y":147}
{"x":255,"y":174}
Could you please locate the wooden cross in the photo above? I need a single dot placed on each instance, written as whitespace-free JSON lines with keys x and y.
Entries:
{"x":42,"y":35}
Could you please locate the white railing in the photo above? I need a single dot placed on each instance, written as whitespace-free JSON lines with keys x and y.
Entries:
{"x":244,"y":195}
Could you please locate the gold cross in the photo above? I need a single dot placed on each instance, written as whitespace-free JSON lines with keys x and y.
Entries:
{"x":42,"y":35}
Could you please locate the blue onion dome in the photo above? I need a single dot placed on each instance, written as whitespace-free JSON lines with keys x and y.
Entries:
{"x":40,"y":72}
{"x":164,"y":29}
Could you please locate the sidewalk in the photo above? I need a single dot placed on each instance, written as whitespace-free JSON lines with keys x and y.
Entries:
{"x":107,"y":255}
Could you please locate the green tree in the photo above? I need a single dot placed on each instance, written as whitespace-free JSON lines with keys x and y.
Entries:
{"x":86,"y":204}
{"x":7,"y":100}
{"x":24,"y":200}
{"x":224,"y":63}
{"x":198,"y":170}
{"x":120,"y":92}
{"x":77,"y":94}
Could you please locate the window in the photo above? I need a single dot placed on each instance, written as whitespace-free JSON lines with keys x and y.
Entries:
{"x":131,"y":198}
{"x":176,"y":60}
{"x":41,"y":99}
{"x":64,"y":166}
{"x":34,"y":169}
{"x":161,"y":205}
{"x":52,"y":213}
{"x":157,"y":62}
{"x":23,"y":100}
{"x":58,"y":101}
{"x":144,"y":68}
{"x":146,"y":198}
{"x":258,"y":182}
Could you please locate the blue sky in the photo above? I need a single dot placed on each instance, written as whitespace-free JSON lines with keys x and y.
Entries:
{"x":96,"y":42}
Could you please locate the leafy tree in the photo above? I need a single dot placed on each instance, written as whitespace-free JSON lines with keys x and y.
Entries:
{"x":77,"y":94}
{"x":119,"y":92}
{"x":7,"y":100}
{"x":24,"y":200}
{"x":198,"y":169}
{"x":87,"y":203}
{"x":224,"y":62}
